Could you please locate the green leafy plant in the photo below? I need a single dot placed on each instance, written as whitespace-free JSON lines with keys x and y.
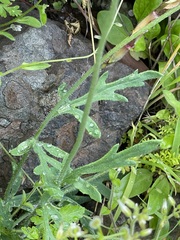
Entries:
{"x":7,"y":8}
{"x":164,"y":164}
{"x":56,"y":176}
{"x":149,"y":214}
{"x":144,"y":13}
{"x":20,"y":18}
{"x":53,"y":208}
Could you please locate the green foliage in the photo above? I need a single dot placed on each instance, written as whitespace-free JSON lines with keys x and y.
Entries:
{"x":173,"y":42}
{"x":151,"y":216}
{"x":20,"y":18}
{"x":7,"y":35}
{"x":172,"y":101}
{"x":106,"y":91}
{"x":157,"y":193}
{"x":121,"y":28}
{"x":147,"y":170}
{"x":154,"y":37}
{"x":166,"y":156}
{"x":42,"y":13}
{"x":31,"y":21}
{"x":142,"y":8}
{"x":88,"y":189}
{"x":34,"y":66}
{"x":162,"y":125}
{"x":58,"y":4}
{"x":56,"y":217}
{"x":142,"y":182}
{"x":7,"y":8}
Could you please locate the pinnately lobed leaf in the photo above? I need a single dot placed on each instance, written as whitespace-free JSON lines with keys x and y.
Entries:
{"x":71,"y":213}
{"x":114,"y":159}
{"x":6,"y":7}
{"x":106,"y":91}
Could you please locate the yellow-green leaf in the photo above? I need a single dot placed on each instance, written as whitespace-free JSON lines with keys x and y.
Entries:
{"x":30,"y":21}
{"x":35,"y":66}
{"x":7,"y":35}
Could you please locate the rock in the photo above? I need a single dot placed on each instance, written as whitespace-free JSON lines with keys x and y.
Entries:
{"x":26,"y":97}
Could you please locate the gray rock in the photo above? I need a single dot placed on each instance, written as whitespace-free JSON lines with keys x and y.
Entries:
{"x":26,"y":97}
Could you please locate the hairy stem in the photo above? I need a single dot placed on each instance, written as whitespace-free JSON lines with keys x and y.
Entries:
{"x":95,"y":77}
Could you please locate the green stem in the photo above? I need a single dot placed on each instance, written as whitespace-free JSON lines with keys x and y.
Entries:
{"x":176,"y":143}
{"x":61,"y":102}
{"x":46,"y":61}
{"x":127,"y":191}
{"x":89,"y":72}
{"x":9,"y":193}
{"x":104,"y":58}
{"x":16,"y":165}
{"x":165,"y":168}
{"x":95,"y":77}
{"x":140,"y":32}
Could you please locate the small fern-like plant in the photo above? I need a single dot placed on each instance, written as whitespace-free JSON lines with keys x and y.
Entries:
{"x":18,"y":17}
{"x":6,"y":8}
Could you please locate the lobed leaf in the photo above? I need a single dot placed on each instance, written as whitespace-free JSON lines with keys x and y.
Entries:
{"x":6,"y":221}
{"x":114,"y":159}
{"x":13,"y":11}
{"x":47,"y":173}
{"x":70,"y":108}
{"x":30,"y":232}
{"x":2,"y":11}
{"x":106,"y":91}
{"x":5,"y":7}
{"x":48,"y":213}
